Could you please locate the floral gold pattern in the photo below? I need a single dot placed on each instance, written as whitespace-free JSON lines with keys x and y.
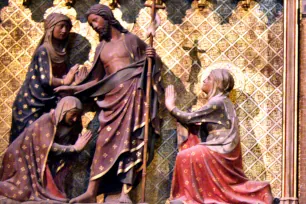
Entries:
{"x":251,"y":40}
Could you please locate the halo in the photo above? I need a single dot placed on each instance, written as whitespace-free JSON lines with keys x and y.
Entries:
{"x":118,"y":15}
{"x":232,"y":68}
{"x":71,"y":13}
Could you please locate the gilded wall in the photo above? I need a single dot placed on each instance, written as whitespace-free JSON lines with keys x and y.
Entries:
{"x":190,"y":42}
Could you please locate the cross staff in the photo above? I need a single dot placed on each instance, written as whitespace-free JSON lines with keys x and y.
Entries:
{"x":154,"y":6}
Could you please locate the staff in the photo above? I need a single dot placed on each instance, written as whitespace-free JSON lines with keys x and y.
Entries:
{"x":153,"y":6}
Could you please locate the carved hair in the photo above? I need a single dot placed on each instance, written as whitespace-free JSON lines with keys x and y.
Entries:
{"x":106,"y":13}
{"x":223,"y":82}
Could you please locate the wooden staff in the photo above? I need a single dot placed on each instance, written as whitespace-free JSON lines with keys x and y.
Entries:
{"x":154,"y":7}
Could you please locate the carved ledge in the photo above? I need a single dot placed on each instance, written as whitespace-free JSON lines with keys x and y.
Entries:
{"x":289,"y":200}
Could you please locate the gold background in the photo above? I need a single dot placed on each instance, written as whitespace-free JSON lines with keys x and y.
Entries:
{"x":250,"y":42}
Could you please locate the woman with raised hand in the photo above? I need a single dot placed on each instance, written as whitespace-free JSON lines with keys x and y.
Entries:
{"x":209,"y":167}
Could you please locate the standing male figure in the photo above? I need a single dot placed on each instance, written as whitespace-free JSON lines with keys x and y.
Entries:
{"x":118,"y":82}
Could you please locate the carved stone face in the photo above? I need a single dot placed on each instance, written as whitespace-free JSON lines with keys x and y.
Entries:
{"x":61,"y":30}
{"x":96,"y":22}
{"x":72,"y":117}
{"x":101,"y":26}
{"x":207,"y":85}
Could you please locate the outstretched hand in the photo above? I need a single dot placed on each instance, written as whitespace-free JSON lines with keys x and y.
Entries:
{"x":80,"y":75}
{"x":70,"y":76}
{"x":82,"y":141}
{"x":170,"y":98}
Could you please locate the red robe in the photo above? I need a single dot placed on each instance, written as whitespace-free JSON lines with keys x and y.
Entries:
{"x":204,"y":175}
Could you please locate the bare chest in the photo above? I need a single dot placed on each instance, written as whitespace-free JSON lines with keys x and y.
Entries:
{"x":114,"y":51}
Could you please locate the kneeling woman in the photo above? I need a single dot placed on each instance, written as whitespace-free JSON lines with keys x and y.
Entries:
{"x":30,"y":167}
{"x":210,"y":171}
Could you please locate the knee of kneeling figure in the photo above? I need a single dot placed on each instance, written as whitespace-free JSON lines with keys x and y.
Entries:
{"x":182,"y":154}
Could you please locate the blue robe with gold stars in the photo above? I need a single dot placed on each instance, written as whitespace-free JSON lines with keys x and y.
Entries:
{"x":35,"y":96}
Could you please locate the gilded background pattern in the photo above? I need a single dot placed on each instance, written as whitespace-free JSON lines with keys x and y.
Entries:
{"x":190,"y":42}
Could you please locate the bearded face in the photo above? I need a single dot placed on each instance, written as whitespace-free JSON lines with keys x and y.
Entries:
{"x":105,"y":33}
{"x":101,"y":26}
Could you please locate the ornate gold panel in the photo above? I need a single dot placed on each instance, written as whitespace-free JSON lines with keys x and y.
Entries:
{"x":250,"y":39}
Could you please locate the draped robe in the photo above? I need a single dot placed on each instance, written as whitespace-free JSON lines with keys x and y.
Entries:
{"x":211,"y":171}
{"x":36,"y":95}
{"x":23,"y":174}
{"x":32,"y":163}
{"x":121,"y":99}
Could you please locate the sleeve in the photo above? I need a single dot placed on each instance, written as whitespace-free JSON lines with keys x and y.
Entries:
{"x":213,"y":112}
{"x":58,"y":149}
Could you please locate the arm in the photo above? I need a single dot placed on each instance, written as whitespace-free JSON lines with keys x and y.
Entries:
{"x":212,"y":112}
{"x":77,"y":147}
{"x":58,"y":149}
{"x":95,"y":75}
{"x":55,"y":82}
{"x":203,"y":115}
{"x":75,"y":89}
{"x":84,"y":86}
{"x":43,"y":68}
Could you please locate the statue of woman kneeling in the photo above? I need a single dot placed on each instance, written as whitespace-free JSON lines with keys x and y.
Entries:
{"x":210,"y":170}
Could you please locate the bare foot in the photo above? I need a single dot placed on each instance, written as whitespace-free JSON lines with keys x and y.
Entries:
{"x":84,"y":198}
{"x":177,"y":201}
{"x":125,"y":198}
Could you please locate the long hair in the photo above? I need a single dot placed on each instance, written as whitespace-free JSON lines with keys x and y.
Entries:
{"x":106,"y":13}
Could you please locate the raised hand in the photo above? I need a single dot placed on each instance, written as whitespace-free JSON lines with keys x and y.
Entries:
{"x":80,"y":75}
{"x":170,"y":98}
{"x":70,"y":76}
{"x":82,"y":141}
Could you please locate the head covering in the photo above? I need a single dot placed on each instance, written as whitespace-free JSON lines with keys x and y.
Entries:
{"x":223,"y":82}
{"x":106,"y":13}
{"x":66,"y":104}
{"x":50,"y":22}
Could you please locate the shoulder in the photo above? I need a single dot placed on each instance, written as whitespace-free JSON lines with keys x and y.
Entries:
{"x":130,"y":36}
{"x":45,"y":119}
{"x":41,"y":49}
{"x":216,"y":102}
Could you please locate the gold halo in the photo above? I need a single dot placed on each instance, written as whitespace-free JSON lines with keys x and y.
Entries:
{"x":71,"y":13}
{"x":118,"y":15}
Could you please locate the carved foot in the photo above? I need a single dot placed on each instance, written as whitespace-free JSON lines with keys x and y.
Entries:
{"x":177,"y":201}
{"x":124,"y":198}
{"x":84,"y":198}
